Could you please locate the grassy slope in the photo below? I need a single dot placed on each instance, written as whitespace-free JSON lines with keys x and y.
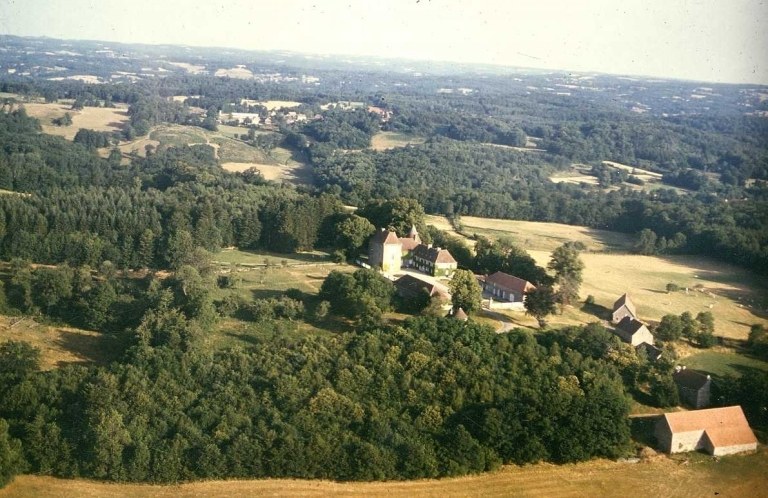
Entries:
{"x":682,"y":476}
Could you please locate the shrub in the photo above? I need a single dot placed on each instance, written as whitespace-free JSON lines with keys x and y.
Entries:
{"x":672,"y":287}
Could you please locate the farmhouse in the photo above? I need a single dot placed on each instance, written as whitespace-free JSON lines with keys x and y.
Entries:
{"x":718,"y":431}
{"x":692,"y":386}
{"x":434,"y":261}
{"x":504,"y":287}
{"x":623,"y":307}
{"x":388,"y":252}
{"x":633,"y":331}
{"x":411,"y":287}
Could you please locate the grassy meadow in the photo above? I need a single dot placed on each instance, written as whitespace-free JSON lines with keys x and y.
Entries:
{"x":683,"y":476}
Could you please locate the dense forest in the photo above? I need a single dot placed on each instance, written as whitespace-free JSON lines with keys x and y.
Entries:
{"x":126,"y":249}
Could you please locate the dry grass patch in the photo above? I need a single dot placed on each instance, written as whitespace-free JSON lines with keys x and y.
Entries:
{"x":60,"y":346}
{"x":386,"y":140}
{"x":546,"y":236}
{"x":92,"y":118}
{"x":683,"y":476}
{"x":273,"y":172}
{"x":272,"y":105}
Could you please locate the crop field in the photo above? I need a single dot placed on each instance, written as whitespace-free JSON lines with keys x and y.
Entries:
{"x":94,"y":118}
{"x":385,"y":140}
{"x":684,"y":476}
{"x":60,"y":346}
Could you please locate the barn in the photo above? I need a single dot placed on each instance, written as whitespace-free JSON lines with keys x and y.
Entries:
{"x":718,"y":431}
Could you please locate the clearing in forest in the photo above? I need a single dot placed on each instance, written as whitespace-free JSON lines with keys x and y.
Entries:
{"x":385,"y":140}
{"x":684,"y":476}
{"x":278,"y":164}
{"x":107,"y":119}
{"x":60,"y":346}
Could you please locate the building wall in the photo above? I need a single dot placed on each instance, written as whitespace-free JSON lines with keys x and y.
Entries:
{"x":663,"y":436}
{"x":697,"y":398}
{"x":392,"y":258}
{"x":687,"y":441}
{"x":621,"y":313}
{"x":444,"y":269}
{"x":730,"y":450}
{"x":375,"y":254}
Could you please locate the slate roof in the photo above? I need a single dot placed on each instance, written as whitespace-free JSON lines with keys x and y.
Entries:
{"x":433,"y":254}
{"x":510,"y":282}
{"x":627,"y":327}
{"x":624,"y":300}
{"x":723,"y":426}
{"x":692,"y":379}
{"x":651,"y":351}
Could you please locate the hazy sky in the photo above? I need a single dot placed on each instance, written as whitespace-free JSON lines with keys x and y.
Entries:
{"x":710,"y":40}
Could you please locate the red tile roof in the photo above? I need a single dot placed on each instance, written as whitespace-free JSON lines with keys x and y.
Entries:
{"x":509,"y":282}
{"x":385,"y":237}
{"x":723,"y":426}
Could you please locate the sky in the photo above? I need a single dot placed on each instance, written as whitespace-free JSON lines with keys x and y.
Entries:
{"x":707,"y":40}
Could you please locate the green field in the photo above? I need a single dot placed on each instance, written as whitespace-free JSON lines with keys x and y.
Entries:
{"x":723,"y":363}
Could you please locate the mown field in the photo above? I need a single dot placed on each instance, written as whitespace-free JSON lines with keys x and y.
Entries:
{"x":684,"y":476}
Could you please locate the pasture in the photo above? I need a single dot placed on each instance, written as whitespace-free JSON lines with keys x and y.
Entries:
{"x":735,"y":296}
{"x":385,"y":140}
{"x":681,"y":476}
